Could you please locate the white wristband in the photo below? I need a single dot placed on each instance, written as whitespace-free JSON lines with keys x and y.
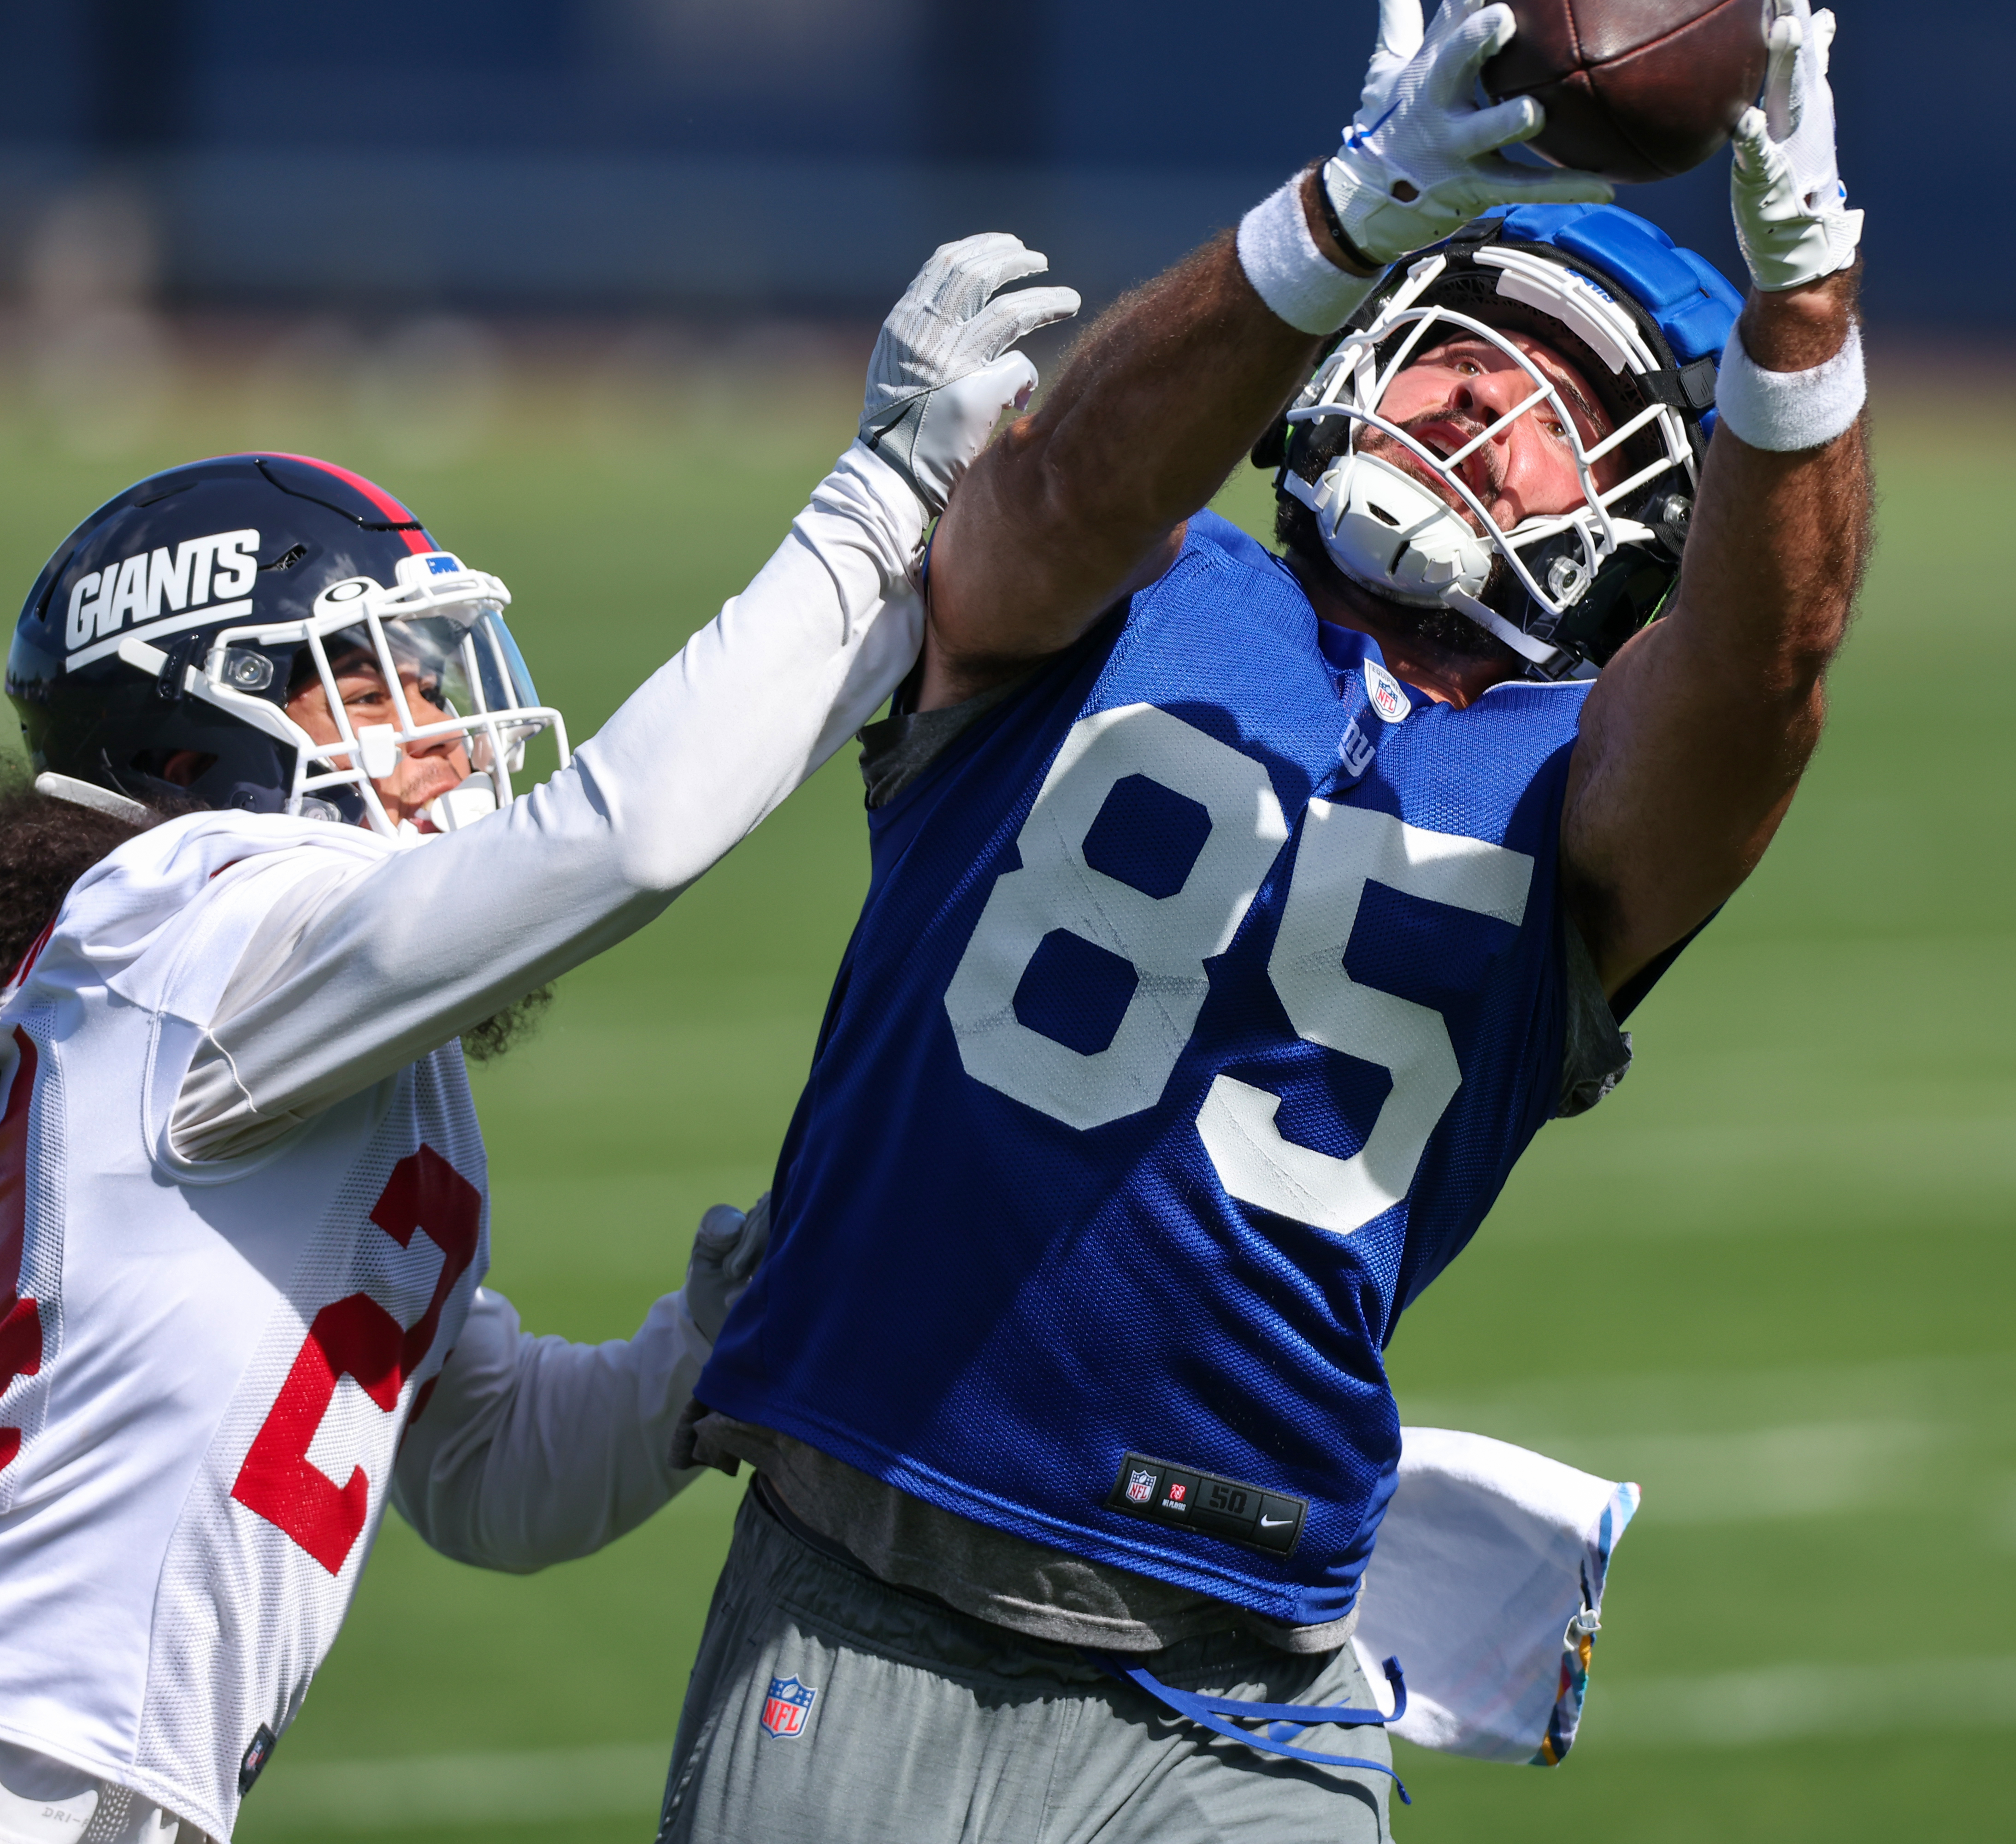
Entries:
{"x":1289,"y":272}
{"x":1783,"y":411}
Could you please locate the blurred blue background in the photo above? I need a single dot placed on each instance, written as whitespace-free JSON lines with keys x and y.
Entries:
{"x":714,"y":156}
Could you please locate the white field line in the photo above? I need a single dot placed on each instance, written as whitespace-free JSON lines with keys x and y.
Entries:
{"x":1780,"y":1703}
{"x":1758,"y":1474}
{"x":1758,"y":1709}
{"x":528,"y":1786}
{"x":1740,"y":1448}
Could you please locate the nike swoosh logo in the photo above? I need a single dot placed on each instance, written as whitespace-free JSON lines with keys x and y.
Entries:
{"x":1274,"y":1523}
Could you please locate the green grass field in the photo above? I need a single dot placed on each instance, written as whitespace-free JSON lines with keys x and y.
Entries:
{"x":1771,"y":1279}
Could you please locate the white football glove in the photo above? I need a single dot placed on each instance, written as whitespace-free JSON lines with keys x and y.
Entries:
{"x":941,"y":373}
{"x":1421,"y":159}
{"x":1792,"y":209}
{"x":726,"y":1249}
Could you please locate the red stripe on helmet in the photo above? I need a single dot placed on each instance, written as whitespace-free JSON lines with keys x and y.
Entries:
{"x":417,"y":540}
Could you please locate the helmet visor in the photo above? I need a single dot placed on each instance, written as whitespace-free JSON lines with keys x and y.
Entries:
{"x":470,"y":672}
{"x":380,"y":673}
{"x":391,"y":684}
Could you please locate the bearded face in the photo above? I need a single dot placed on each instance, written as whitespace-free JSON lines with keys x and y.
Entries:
{"x":1453,"y":394}
{"x":1464,"y":389}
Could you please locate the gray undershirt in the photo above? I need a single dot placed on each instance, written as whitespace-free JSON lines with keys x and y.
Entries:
{"x":989,"y":1574}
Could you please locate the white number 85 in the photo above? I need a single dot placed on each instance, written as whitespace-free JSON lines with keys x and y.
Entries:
{"x":1168,"y":940}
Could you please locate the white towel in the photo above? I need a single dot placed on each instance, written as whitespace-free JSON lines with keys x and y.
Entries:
{"x":1486,"y":1584}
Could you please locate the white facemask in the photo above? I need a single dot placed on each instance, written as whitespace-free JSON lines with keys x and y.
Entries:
{"x":1386,"y":532}
{"x":438,"y":616}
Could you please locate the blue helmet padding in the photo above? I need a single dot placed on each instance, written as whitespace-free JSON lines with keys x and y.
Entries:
{"x":1690,"y":300}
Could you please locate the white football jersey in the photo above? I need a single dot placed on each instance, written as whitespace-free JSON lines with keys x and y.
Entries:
{"x":207,"y":1369}
{"x":242,"y":1205}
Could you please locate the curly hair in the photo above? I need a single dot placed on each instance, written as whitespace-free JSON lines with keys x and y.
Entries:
{"x":503,"y":1032}
{"x":45,"y":845}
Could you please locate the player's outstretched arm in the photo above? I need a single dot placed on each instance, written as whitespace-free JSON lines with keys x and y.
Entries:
{"x":532,"y":1451}
{"x":347,"y":980}
{"x":1075,"y":505}
{"x":1082,"y":503}
{"x":1694,"y":739}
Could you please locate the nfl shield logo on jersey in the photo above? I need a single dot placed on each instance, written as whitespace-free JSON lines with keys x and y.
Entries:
{"x":1140,"y":1487}
{"x":787,"y":1707}
{"x":1384,"y":689}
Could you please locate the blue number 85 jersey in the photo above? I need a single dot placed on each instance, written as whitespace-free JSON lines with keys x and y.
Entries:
{"x":1204,"y":995}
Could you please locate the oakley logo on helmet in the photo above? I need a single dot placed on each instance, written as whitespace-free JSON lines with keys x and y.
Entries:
{"x":182,"y":582}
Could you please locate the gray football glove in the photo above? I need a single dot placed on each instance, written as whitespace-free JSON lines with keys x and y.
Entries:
{"x":726,"y":1249}
{"x":942,"y":373}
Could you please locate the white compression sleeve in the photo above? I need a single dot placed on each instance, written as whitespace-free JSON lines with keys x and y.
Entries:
{"x":533,"y":1450}
{"x":396,"y":957}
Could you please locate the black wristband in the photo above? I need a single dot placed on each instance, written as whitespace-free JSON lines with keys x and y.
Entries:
{"x":1334,"y":225}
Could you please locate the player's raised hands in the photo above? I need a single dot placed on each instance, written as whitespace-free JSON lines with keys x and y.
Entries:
{"x":1421,"y":158}
{"x":1792,"y":209}
{"x":942,"y":372}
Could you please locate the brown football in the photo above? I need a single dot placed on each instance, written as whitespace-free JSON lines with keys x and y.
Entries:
{"x":1636,"y":90}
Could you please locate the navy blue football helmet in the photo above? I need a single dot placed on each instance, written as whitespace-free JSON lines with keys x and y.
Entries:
{"x":1644,"y":321}
{"x":186,"y":614}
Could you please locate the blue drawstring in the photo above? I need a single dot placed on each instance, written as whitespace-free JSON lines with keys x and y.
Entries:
{"x":1211,"y":1711}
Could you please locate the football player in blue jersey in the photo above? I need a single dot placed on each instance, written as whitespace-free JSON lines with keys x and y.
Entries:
{"x":1235,"y":923}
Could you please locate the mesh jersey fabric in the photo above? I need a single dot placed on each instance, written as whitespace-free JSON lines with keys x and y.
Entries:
{"x":228,"y":1351}
{"x":1006,"y":1251}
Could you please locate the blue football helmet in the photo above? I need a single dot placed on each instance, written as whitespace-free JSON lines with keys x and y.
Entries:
{"x":1644,"y":320}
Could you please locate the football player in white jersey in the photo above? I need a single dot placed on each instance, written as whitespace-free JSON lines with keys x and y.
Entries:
{"x":274,"y":865}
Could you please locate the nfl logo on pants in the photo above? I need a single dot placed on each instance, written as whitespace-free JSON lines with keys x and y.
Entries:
{"x":787,"y":1707}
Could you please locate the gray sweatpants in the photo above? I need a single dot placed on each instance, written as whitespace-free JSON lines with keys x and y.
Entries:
{"x":829,"y":1708}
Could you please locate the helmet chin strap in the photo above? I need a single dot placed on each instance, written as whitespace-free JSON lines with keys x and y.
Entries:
{"x":472,"y":798}
{"x":1383,"y":528}
{"x":1390,"y":535}
{"x":1537,"y":652}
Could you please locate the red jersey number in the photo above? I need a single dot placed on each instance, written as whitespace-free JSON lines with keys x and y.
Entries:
{"x":356,"y":1337}
{"x":20,"y":1320}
